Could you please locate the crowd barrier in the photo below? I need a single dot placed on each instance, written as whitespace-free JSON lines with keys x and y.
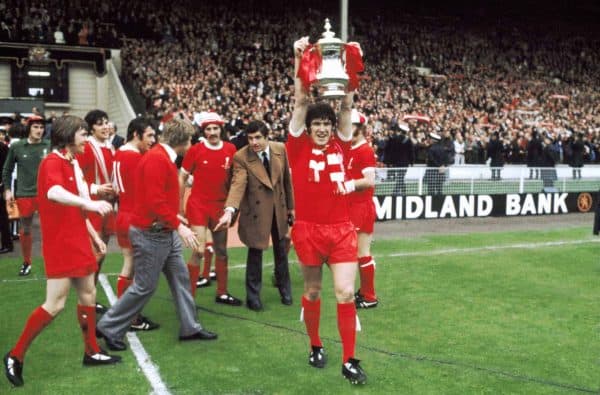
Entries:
{"x":479,"y":191}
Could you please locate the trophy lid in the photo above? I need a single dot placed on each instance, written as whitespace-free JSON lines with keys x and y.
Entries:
{"x":328,"y":35}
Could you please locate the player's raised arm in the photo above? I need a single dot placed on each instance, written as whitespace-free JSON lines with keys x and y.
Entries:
{"x":344,"y":117}
{"x":301,"y":98}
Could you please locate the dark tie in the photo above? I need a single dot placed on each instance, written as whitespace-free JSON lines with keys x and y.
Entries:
{"x":265,"y":161}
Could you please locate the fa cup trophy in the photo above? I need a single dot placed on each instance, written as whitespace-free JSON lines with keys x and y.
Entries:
{"x":332,"y":76}
{"x":332,"y":64}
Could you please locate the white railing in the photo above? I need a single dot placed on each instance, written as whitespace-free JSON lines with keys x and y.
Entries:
{"x":481,"y":179}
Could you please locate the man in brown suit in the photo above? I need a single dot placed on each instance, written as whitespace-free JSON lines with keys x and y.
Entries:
{"x":261,"y":190}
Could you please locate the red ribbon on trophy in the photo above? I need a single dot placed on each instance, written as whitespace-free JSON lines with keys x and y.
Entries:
{"x":354,"y":65}
{"x":310,"y":64}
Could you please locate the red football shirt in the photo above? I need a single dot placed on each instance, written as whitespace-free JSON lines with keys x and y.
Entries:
{"x":124,"y":166}
{"x":211,"y":168}
{"x":66,"y":244}
{"x":156,"y":190}
{"x":90,"y":166}
{"x":315,"y":176}
{"x":360,"y":158}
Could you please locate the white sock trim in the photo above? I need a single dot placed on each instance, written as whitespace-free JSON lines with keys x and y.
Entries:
{"x":370,"y":263}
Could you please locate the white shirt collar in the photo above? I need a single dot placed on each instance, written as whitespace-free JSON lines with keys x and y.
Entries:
{"x":267,"y":150}
{"x":98,"y":143}
{"x":129,"y":147}
{"x":170,"y":151}
{"x":213,"y":147}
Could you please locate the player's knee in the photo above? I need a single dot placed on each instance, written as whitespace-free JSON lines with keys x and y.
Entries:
{"x":344,"y":294}
{"x":54,"y":307}
{"x":312,"y":294}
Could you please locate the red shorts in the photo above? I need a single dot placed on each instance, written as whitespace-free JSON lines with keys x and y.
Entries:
{"x":103,"y":225}
{"x":123,"y":222}
{"x":316,"y":244}
{"x":362,"y":215}
{"x":27,"y":206}
{"x":204,"y":213}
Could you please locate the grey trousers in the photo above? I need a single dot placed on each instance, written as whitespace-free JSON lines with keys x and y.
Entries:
{"x":152,"y":253}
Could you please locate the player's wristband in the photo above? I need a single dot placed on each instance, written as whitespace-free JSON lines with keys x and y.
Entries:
{"x":349,"y":186}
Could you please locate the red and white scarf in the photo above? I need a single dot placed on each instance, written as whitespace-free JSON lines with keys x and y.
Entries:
{"x":82,"y":187}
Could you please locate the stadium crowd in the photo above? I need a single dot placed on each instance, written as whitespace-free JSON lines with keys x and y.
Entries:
{"x":448,"y":75}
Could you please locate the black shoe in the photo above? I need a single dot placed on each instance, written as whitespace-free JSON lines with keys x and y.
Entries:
{"x":202,"y":282}
{"x":212,"y":275}
{"x":362,"y":303}
{"x":142,"y":323}
{"x":112,"y":344}
{"x":13,"y":368}
{"x":100,"y":358}
{"x":286,"y":300}
{"x":254,"y":305}
{"x":353,"y":372}
{"x":25,"y":269}
{"x":202,"y":334}
{"x":228,"y":299}
{"x":6,"y":250}
{"x":101,"y":309}
{"x":317,"y":357}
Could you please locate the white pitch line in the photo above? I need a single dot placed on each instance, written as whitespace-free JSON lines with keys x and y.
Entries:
{"x":143,"y":359}
{"x":492,"y":248}
{"x":401,"y":254}
{"x":462,"y":250}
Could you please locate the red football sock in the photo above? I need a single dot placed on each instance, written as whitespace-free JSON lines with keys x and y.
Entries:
{"x":366,"y":267}
{"x":312,"y":318}
{"x":36,"y":322}
{"x":221,"y":269}
{"x":86,"y":315}
{"x":26,"y":240}
{"x":194,"y":270}
{"x":346,"y":317}
{"x":122,"y":284}
{"x":208,"y":254}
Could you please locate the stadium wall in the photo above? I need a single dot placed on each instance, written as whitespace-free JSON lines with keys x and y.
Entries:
{"x":118,"y":107}
{"x":5,"y":84}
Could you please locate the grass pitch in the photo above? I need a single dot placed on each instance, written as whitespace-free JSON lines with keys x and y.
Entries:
{"x":503,"y":312}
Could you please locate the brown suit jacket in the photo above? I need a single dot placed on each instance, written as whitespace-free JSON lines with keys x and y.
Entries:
{"x":259,"y":198}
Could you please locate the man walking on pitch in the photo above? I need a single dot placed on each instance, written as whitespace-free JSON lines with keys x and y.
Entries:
{"x":140,"y":138}
{"x":323,"y":233}
{"x":156,"y":235}
{"x":67,"y":249}
{"x":262,"y":192}
{"x":210,"y":163}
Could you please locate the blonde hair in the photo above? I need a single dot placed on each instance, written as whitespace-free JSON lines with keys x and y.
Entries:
{"x":177,"y":132}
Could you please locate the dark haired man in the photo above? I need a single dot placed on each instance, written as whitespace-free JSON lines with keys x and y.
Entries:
{"x":67,"y":251}
{"x":323,"y":232}
{"x":210,"y":163}
{"x":96,"y":162}
{"x":261,"y":190}
{"x":26,"y":155}
{"x":140,"y":138}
